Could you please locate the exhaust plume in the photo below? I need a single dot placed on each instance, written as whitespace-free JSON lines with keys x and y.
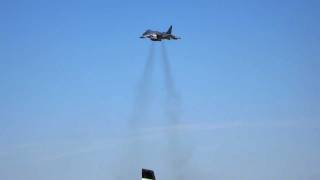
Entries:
{"x":178,"y":156}
{"x":173,"y":98}
{"x":132,"y":158}
{"x":143,"y":96}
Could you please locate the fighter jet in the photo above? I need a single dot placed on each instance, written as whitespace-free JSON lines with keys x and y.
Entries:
{"x":159,"y":36}
{"x":148,"y":174}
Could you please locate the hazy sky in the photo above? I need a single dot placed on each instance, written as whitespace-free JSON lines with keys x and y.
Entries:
{"x":247,"y":73}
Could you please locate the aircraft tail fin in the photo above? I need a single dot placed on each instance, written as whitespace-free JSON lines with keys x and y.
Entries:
{"x":169,"y":30}
{"x":148,"y":174}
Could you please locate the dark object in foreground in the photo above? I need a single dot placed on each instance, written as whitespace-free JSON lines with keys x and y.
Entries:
{"x":148,"y":174}
{"x":159,"y":36}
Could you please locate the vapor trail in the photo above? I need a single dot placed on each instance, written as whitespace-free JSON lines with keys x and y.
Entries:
{"x":130,"y":162}
{"x":178,"y":156}
{"x":173,"y":98}
{"x":142,"y":102}
{"x":143,"y":96}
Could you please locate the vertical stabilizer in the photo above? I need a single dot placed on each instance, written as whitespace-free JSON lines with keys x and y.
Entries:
{"x":169,"y":30}
{"x":148,"y":174}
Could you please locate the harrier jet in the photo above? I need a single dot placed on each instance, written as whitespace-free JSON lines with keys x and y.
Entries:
{"x":159,"y":36}
{"x":148,"y":174}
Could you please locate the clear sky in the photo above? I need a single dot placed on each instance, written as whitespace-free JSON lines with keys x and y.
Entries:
{"x":247,"y":73}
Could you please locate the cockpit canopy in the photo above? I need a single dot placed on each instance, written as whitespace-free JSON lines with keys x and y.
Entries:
{"x":147,"y":32}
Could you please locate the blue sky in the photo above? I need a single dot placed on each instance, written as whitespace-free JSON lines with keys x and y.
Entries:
{"x":247,"y":73}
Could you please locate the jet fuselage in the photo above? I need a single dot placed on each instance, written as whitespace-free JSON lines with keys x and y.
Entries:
{"x":159,"y":36}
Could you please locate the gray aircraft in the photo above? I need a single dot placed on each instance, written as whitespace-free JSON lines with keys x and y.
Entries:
{"x":159,"y":36}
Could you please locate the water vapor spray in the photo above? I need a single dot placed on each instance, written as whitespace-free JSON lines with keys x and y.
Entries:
{"x":130,"y":162}
{"x":144,"y":95}
{"x":173,"y":98}
{"x":178,"y":156}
